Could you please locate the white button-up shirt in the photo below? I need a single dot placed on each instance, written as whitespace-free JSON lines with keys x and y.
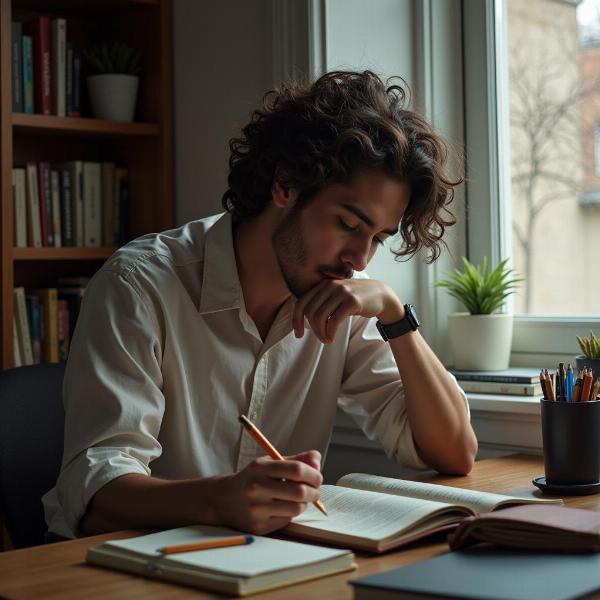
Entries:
{"x":165,"y":358}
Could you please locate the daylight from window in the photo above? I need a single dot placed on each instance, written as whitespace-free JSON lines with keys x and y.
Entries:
{"x":554,"y":106}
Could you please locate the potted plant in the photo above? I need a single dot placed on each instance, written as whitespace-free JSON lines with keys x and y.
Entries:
{"x":112,"y":79}
{"x":481,"y":338}
{"x":590,"y":358}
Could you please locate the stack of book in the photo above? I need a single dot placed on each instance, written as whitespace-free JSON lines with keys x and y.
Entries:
{"x":46,"y":70}
{"x":516,"y":381}
{"x":70,"y":204}
{"x":44,"y":320}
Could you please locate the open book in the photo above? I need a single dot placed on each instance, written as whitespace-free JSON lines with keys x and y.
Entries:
{"x":237,"y":570}
{"x":376,"y":514}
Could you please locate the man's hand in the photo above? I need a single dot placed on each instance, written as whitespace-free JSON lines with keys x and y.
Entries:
{"x":267,"y":494}
{"x":330,"y":302}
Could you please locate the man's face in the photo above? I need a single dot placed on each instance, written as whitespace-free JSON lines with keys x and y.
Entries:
{"x":339,"y":230}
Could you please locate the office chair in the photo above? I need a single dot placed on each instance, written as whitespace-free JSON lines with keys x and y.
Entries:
{"x":31,"y":447}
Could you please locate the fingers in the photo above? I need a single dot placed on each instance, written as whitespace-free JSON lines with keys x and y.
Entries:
{"x":290,"y":470}
{"x":311,"y":457}
{"x":288,"y":491}
{"x":298,"y":315}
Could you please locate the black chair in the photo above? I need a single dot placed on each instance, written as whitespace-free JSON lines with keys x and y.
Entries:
{"x":31,"y":446}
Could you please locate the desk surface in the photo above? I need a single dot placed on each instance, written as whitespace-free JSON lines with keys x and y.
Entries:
{"x":59,"y":570}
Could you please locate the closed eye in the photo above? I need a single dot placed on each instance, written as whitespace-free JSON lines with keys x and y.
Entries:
{"x":347,"y":227}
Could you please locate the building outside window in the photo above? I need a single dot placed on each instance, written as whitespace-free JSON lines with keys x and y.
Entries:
{"x":553,"y":58}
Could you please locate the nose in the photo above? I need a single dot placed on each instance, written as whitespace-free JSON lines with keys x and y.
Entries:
{"x":357,"y":255}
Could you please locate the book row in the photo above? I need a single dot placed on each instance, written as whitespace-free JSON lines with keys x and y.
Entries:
{"x":46,"y":70}
{"x":44,"y":320}
{"x":70,"y":204}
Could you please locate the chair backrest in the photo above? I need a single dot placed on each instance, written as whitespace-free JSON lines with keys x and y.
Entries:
{"x":31,"y":447}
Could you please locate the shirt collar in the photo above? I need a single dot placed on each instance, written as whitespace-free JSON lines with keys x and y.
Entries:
{"x":221,"y":289}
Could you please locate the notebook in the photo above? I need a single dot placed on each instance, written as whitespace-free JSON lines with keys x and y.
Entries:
{"x":373,"y":513}
{"x":262,"y":565}
{"x":487,"y":574}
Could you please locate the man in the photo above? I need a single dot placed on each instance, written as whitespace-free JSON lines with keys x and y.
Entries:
{"x":264,"y":311}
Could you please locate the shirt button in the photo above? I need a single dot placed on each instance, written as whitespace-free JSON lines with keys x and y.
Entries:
{"x":254,"y":415}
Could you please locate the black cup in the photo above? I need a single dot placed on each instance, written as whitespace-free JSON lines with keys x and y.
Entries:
{"x":571,"y":438}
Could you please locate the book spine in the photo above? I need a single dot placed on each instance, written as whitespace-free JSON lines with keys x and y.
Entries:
{"x":490,"y":387}
{"x":17,"y":353}
{"x":494,"y":378}
{"x":63,"y":330}
{"x":59,"y":71}
{"x":66,"y":207}
{"x":45,"y":203}
{"x":108,"y":204}
{"x":121,"y":205}
{"x":28,"y":84}
{"x":92,"y":197}
{"x":76,"y":178}
{"x":49,"y":307}
{"x":56,"y":216}
{"x":23,"y":325}
{"x":35,"y":326}
{"x":76,"y":85}
{"x":40,"y":30}
{"x":17,"y":66}
{"x":20,"y":208}
{"x":69,"y":81}
{"x":34,"y":227}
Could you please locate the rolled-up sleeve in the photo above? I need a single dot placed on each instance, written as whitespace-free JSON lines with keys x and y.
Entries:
{"x":373,"y":395}
{"x":112,"y":392}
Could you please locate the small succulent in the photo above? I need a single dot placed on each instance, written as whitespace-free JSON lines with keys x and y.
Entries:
{"x":482,"y":290}
{"x":590,"y":346}
{"x":116,"y":58}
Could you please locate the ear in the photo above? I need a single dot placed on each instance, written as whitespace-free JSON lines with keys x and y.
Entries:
{"x":282,"y":195}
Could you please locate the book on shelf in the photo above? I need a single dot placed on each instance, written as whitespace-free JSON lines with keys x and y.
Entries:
{"x":493,"y":387}
{"x":56,"y":209}
{"x":46,"y":68}
{"x":265,"y":564}
{"x":45,"y":203}
{"x":20,"y":314}
{"x":109,"y":221}
{"x":48,"y":298}
{"x":34,"y":317}
{"x":92,"y":198}
{"x":376,"y":514}
{"x":17,"y":65}
{"x":63,"y":329}
{"x":59,"y":66}
{"x":487,"y":574}
{"x":28,"y":83}
{"x":40,"y":30}
{"x":66,"y":207}
{"x":34,"y":227}
{"x":20,"y":207}
{"x":512,"y":375}
{"x":16,"y":345}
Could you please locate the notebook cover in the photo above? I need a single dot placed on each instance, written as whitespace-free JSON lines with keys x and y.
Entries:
{"x":488,"y":573}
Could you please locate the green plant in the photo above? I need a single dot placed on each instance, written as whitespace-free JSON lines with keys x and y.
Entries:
{"x":590,"y":346}
{"x":116,"y":58}
{"x":480,"y":289}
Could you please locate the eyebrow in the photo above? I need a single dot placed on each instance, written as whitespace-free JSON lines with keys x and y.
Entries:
{"x":364,"y":217}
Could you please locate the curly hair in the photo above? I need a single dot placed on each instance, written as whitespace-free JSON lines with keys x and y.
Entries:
{"x":311,"y":136}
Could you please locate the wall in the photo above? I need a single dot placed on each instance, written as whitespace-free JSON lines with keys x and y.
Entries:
{"x":222,"y":66}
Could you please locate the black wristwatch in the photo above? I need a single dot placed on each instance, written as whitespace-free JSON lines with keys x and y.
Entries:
{"x":393,"y":330}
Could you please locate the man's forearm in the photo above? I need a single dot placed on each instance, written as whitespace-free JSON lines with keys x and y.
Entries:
{"x":436,"y":408}
{"x":138,"y":501}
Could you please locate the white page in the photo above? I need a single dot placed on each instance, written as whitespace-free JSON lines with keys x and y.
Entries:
{"x":479,"y":502}
{"x":261,"y":556}
{"x":364,"y":514}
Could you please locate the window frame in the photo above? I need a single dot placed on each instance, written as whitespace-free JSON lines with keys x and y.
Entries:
{"x":537,"y":340}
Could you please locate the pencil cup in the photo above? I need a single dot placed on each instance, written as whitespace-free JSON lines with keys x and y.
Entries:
{"x":571,"y":438}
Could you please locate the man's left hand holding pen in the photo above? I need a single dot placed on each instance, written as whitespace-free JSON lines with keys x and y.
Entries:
{"x":267,"y":494}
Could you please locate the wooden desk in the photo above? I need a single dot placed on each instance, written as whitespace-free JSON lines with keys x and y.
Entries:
{"x":59,"y":570}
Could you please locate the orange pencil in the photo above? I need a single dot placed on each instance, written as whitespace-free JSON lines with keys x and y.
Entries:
{"x":266,"y":445}
{"x":587,"y":385}
{"x":233,"y":540}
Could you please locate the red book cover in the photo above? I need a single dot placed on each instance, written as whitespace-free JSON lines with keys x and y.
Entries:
{"x":40,"y":30}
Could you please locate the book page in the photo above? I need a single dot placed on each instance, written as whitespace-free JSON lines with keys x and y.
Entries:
{"x":370,"y":515}
{"x":478,"y":502}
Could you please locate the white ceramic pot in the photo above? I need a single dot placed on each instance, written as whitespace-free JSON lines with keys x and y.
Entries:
{"x":113,"y":96}
{"x":480,"y":342}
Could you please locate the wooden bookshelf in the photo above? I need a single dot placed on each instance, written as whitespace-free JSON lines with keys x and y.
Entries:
{"x":144,"y":147}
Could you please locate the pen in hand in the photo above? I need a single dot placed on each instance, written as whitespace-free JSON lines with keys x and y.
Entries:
{"x":262,"y":441}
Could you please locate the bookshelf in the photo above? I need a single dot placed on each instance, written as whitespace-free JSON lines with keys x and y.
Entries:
{"x":143,"y":147}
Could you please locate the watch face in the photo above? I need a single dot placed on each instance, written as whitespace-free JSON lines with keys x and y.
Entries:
{"x":411,"y":315}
